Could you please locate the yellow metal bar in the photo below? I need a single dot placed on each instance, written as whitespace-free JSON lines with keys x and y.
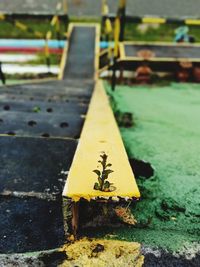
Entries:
{"x":123,"y":56}
{"x":48,"y":35}
{"x":161,"y":44}
{"x":65,"y":6}
{"x":65,"y":52}
{"x":161,"y":59}
{"x":122,"y":3}
{"x":38,"y":34}
{"x":54,"y":20}
{"x":154,"y":20}
{"x":2,"y":16}
{"x":97,"y":50}
{"x":108,"y":26}
{"x":122,"y":51}
{"x":192,"y":21}
{"x":105,"y":8}
{"x":116,"y":35}
{"x":46,"y":49}
{"x":100,"y":134}
{"x":20,"y":25}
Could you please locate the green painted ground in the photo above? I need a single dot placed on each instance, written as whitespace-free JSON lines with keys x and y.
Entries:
{"x":166,"y":133}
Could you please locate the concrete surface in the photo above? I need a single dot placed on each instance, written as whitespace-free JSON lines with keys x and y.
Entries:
{"x":179,"y":8}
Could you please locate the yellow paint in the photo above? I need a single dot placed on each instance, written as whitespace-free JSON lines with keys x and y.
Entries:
{"x":100,"y":133}
{"x":103,"y":52}
{"x":46,"y":49}
{"x":122,"y":51}
{"x":108,"y":26}
{"x":116,"y":36}
{"x":192,"y":21}
{"x":161,"y":59}
{"x":104,"y":69}
{"x":123,"y":56}
{"x":48,"y":35}
{"x":54,"y":20}
{"x":97,"y":50}
{"x":64,"y":54}
{"x":122,"y":3}
{"x":20,"y":25}
{"x":2,"y":16}
{"x":161,"y":43}
{"x":38,"y":34}
{"x":65,"y":6}
{"x":105,"y":8}
{"x":153,"y":20}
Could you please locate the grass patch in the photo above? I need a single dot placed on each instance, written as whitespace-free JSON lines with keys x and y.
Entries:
{"x":161,"y":33}
{"x":8,"y":30}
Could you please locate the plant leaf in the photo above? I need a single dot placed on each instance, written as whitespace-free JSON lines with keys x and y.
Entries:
{"x":108,"y":165}
{"x":97,"y":172}
{"x":100,"y":181}
{"x":96,"y":186}
{"x":108,"y":171}
{"x":106,"y":184}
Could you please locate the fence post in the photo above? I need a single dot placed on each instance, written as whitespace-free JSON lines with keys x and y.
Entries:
{"x":122,"y":15}
{"x":116,"y":48}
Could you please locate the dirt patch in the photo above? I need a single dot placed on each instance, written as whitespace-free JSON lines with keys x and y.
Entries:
{"x":101,"y":253}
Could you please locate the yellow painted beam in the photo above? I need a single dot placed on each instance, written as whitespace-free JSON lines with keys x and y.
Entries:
{"x":192,"y":21}
{"x":153,"y":20}
{"x":100,"y":134}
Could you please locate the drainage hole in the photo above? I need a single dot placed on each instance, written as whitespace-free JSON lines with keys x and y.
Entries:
{"x":1,"y":121}
{"x":45,"y":135}
{"x":49,"y":110}
{"x":31,"y":98}
{"x":32,"y":123}
{"x":76,"y":136}
{"x":6,"y":107}
{"x":64,"y":125}
{"x":141,"y":168}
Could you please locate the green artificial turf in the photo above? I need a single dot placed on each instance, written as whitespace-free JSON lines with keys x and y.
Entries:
{"x":166,"y":134}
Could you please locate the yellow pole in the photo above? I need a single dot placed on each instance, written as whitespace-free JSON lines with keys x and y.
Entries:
{"x":65,"y":6}
{"x":116,"y":35}
{"x":122,"y":15}
{"x":108,"y":26}
{"x":105,"y":9}
{"x":122,"y":3}
{"x":2,"y":16}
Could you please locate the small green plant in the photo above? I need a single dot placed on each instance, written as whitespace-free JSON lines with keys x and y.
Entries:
{"x":103,"y":184}
{"x":36,"y":109}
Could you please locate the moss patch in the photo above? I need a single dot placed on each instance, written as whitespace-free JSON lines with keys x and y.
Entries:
{"x":165,"y":134}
